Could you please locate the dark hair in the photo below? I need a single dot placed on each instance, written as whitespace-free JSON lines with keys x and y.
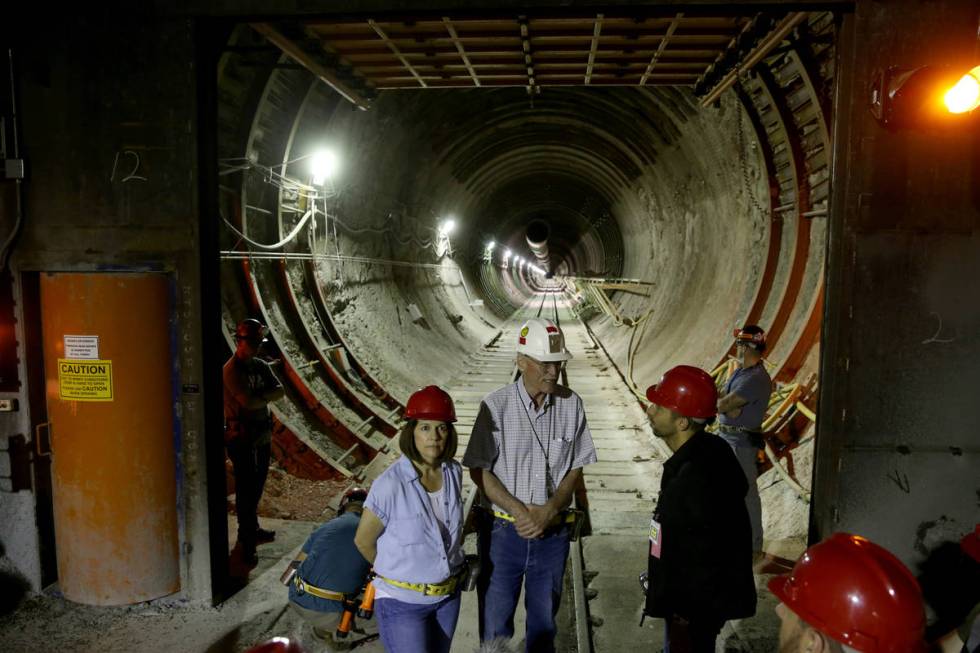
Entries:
{"x":406,"y":442}
{"x":950,"y":582}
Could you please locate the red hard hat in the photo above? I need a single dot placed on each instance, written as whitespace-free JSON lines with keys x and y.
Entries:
{"x":751,"y":335}
{"x":971,"y":544}
{"x":686,"y":390}
{"x":277,"y":645}
{"x":857,"y":593}
{"x":250,"y":328}
{"x":431,"y":402}
{"x":354,"y":494}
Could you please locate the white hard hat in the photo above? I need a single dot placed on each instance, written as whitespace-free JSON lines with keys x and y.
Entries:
{"x":542,"y":340}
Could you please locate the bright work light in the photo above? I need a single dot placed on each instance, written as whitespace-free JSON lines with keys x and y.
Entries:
{"x":965,"y":94}
{"x":447,"y":227}
{"x":323,"y":165}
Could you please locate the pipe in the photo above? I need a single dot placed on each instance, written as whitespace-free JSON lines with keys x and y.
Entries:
{"x":537,"y":235}
{"x":765,"y":46}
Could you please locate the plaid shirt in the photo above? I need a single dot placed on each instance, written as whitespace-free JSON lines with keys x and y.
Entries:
{"x":521,"y":456}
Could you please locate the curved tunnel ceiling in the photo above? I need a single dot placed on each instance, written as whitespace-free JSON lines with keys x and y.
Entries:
{"x":635,"y":183}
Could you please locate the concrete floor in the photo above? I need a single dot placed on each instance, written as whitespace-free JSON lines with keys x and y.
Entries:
{"x":621,"y":488}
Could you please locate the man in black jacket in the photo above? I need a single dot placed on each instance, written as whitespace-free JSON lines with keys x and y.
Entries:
{"x":700,"y":557}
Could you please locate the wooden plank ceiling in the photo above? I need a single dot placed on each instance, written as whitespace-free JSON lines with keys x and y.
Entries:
{"x":530,"y":51}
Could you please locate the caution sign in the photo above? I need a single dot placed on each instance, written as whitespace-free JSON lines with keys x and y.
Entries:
{"x":85,"y":380}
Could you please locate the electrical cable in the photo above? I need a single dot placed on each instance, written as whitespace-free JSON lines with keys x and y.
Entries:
{"x":289,"y":237}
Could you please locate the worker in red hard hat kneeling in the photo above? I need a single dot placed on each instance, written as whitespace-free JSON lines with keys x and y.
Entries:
{"x":699,"y":572}
{"x":412,"y":531}
{"x":849,"y":594}
{"x":329,"y":571}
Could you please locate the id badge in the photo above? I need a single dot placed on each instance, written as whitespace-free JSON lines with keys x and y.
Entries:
{"x":656,"y":538}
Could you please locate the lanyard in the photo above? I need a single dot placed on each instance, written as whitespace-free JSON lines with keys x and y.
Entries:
{"x":549,"y":483}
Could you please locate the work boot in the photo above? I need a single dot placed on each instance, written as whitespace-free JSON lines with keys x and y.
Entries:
{"x":247,"y":550}
{"x":263,"y":536}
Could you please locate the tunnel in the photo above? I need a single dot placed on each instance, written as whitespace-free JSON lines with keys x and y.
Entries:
{"x":717,"y":211}
{"x":393,"y":190}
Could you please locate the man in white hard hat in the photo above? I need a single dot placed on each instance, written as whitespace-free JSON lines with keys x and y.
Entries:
{"x":526,"y":454}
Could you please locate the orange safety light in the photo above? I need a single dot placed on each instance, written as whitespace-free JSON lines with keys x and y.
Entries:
{"x":927,"y":97}
{"x":964,"y":96}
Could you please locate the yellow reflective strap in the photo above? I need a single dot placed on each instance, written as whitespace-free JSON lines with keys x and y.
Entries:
{"x":329,"y":595}
{"x":428,"y":589}
{"x":565,"y":517}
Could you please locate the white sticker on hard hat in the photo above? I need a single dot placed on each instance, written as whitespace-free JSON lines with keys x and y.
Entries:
{"x":555,"y":343}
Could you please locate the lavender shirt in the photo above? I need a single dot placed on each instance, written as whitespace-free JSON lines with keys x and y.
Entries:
{"x":411,"y":547}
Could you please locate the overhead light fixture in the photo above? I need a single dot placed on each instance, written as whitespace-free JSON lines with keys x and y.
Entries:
{"x":323,"y":166}
{"x":507,"y":254}
{"x":491,"y":245}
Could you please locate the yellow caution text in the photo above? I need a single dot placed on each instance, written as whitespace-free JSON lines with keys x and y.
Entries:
{"x":85,"y":380}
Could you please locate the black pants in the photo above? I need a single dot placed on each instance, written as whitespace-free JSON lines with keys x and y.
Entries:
{"x":251,"y":465}
{"x":685,"y":636}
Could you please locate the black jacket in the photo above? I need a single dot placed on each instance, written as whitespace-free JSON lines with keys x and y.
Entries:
{"x":705,"y":568}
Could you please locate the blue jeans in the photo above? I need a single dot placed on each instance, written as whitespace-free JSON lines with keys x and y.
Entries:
{"x":509,"y":561}
{"x":417,"y":627}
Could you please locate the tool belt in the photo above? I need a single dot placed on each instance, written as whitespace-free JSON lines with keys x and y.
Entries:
{"x":445,"y":588}
{"x":305,"y":587}
{"x":755,"y":437}
{"x":571,"y":516}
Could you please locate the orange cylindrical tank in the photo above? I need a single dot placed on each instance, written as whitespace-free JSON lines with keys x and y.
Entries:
{"x":110,"y":405}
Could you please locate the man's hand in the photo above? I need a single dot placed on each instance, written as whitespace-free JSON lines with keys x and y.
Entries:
{"x":533,"y":522}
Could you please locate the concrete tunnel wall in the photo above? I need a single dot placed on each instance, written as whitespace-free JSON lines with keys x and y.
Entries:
{"x":643,"y":173}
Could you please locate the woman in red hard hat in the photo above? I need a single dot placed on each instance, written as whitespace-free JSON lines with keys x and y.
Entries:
{"x":412,"y":531}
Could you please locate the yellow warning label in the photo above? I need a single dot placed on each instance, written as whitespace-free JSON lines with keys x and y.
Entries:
{"x":85,"y":380}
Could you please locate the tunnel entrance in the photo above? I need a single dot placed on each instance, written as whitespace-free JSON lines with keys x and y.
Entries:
{"x":675,"y":164}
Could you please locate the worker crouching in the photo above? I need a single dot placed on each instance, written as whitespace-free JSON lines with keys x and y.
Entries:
{"x":412,"y":530}
{"x":329,"y":571}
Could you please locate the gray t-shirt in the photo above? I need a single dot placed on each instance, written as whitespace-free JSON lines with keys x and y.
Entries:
{"x":754,"y":385}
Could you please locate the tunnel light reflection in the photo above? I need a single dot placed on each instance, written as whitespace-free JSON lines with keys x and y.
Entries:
{"x":964,"y":96}
{"x":323,"y":166}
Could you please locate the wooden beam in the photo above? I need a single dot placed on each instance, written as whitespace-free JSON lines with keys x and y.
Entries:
{"x":462,"y":51}
{"x":595,"y":46}
{"x":394,"y":48}
{"x":323,"y":73}
{"x":660,"y":49}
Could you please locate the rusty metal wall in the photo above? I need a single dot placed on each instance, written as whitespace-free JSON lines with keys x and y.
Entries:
{"x":898,"y":456}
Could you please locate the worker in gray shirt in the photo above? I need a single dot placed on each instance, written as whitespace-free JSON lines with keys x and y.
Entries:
{"x":741,"y":411}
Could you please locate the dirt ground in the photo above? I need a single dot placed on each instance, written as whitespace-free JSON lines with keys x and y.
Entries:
{"x":288,"y":497}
